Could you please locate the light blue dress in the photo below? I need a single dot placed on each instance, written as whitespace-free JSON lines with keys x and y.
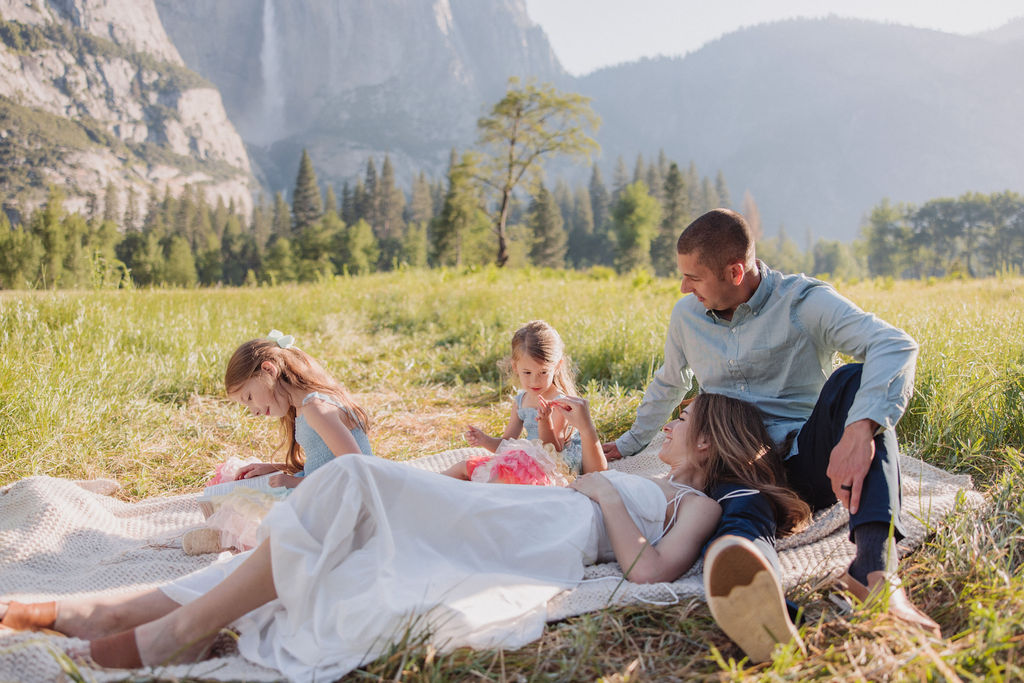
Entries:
{"x":573,"y":451}
{"x":316,"y":451}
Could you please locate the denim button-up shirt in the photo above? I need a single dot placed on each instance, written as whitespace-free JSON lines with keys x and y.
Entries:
{"x":776,"y":353}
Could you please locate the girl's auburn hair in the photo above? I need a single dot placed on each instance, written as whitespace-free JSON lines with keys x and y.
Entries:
{"x":742,"y":452}
{"x":299,"y":369}
{"x":539,"y":341}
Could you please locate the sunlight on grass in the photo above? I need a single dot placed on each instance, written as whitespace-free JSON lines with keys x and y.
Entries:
{"x":127,"y":385}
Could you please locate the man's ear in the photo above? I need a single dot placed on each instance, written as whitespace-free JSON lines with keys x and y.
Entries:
{"x":734,"y":273}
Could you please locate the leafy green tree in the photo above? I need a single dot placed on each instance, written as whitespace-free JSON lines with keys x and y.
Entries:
{"x":307,"y":204}
{"x":782,"y":253}
{"x":180,"y":268}
{"x":21,"y":254}
{"x":545,"y":222}
{"x":529,"y":123}
{"x":359,"y":248}
{"x":415,"y":246}
{"x":636,"y":216}
{"x":886,"y":238}
{"x":278,"y":262}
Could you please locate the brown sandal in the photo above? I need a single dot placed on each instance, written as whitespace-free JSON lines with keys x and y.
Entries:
{"x":36,"y":616}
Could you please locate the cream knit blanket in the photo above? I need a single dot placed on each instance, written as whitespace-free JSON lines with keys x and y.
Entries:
{"x":60,"y":538}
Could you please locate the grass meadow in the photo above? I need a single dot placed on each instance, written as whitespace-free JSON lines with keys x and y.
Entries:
{"x":127,"y":385}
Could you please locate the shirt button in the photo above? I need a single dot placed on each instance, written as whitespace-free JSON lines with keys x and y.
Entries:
{"x":733,"y":330}
{"x":732,"y":362}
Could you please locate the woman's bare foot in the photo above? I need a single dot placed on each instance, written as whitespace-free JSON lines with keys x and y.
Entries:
{"x":163,"y":642}
{"x":91,"y":618}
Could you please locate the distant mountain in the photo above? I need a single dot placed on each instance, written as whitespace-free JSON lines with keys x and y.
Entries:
{"x":821,"y":119}
{"x":93,"y":94}
{"x":1009,"y":32}
{"x":352,"y":79}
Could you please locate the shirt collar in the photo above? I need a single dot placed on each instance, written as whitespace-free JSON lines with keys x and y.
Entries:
{"x":760,"y":297}
{"x":764,"y":289}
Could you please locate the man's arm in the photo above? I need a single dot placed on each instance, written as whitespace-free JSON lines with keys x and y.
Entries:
{"x":670,"y":383}
{"x":887,"y":382}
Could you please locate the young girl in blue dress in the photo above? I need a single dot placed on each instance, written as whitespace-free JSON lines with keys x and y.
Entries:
{"x":319,"y":418}
{"x":545,"y":374}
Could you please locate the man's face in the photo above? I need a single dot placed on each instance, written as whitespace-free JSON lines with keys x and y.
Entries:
{"x":714,"y":290}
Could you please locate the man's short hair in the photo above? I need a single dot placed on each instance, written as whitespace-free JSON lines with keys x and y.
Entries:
{"x":719,"y":237}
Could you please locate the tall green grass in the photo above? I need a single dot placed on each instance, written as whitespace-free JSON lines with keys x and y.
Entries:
{"x":127,"y":385}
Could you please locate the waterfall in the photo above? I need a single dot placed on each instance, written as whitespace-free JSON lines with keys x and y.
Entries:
{"x":272,"y":109}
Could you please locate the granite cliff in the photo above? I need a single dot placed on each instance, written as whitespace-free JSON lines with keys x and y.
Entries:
{"x":363,"y":77}
{"x":92,"y":92}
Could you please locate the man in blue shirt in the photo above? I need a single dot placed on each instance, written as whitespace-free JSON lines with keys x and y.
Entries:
{"x":752,"y":333}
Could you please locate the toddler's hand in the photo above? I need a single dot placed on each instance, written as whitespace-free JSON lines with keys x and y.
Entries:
{"x":543,"y":408}
{"x":474,"y":436}
{"x":256,"y":469}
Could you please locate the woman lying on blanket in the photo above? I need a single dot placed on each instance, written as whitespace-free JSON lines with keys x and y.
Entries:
{"x":367,"y":550}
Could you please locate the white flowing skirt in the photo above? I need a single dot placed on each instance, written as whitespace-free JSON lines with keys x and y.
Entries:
{"x":367,"y":550}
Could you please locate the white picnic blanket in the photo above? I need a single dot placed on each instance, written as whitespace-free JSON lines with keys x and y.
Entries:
{"x":60,"y":538}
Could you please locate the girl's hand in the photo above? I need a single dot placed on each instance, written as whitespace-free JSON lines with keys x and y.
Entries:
{"x":256,"y":469}
{"x":285,"y":480}
{"x":474,"y":436}
{"x":594,"y":486}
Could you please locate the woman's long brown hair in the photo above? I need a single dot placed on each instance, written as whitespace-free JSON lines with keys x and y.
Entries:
{"x":742,"y":452}
{"x":299,"y":369}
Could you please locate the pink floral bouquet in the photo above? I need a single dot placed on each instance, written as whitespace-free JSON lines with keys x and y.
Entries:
{"x":520,"y":461}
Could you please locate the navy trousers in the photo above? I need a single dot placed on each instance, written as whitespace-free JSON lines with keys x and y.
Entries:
{"x":751,"y":516}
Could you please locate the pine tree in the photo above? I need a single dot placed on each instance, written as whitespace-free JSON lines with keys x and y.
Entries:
{"x":545,"y":221}
{"x":331,"y":201}
{"x":584,"y":243}
{"x":640,"y":169}
{"x":307,"y":205}
{"x":676,"y":216}
{"x":111,"y":208}
{"x":460,"y":216}
{"x":368,"y":206}
{"x":722,"y":191}
{"x":421,"y":206}
{"x":390,"y":202}
{"x":620,"y":179}
{"x":636,"y":217}
{"x":282,"y":223}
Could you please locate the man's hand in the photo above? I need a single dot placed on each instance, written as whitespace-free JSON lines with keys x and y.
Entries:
{"x":611,"y":451}
{"x":849,"y":462}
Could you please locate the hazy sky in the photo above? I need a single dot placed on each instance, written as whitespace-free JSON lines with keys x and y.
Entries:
{"x":589,"y":34}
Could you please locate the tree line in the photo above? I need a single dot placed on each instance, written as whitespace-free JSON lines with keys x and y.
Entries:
{"x":373,"y":225}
